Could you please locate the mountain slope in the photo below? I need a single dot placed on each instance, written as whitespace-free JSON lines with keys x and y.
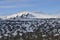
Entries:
{"x":30,"y":15}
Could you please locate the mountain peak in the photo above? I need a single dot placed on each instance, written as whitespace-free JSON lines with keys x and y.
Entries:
{"x":27,"y":14}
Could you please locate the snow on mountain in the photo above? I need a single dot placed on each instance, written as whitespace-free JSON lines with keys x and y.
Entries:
{"x":30,"y":15}
{"x":12,"y":27}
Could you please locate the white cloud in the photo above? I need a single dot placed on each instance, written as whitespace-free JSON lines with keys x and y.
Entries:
{"x":7,"y":6}
{"x":17,"y":6}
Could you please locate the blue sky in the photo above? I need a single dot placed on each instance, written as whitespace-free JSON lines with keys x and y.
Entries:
{"x":8,"y":7}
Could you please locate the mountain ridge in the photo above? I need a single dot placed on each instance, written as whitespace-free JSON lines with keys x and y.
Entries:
{"x":31,"y":15}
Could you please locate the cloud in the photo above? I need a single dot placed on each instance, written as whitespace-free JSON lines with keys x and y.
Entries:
{"x":10,"y":0}
{"x":7,"y":6}
{"x":18,"y":6}
{"x":15,"y":4}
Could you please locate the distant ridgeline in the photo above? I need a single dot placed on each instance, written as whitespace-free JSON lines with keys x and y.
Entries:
{"x":30,"y":29}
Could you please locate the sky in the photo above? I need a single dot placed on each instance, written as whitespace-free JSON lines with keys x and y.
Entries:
{"x":8,"y":7}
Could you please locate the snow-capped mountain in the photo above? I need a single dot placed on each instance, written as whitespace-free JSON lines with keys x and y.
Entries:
{"x":29,"y":27}
{"x":30,"y":15}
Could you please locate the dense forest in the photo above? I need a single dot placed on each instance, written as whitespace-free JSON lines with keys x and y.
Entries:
{"x":41,"y":29}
